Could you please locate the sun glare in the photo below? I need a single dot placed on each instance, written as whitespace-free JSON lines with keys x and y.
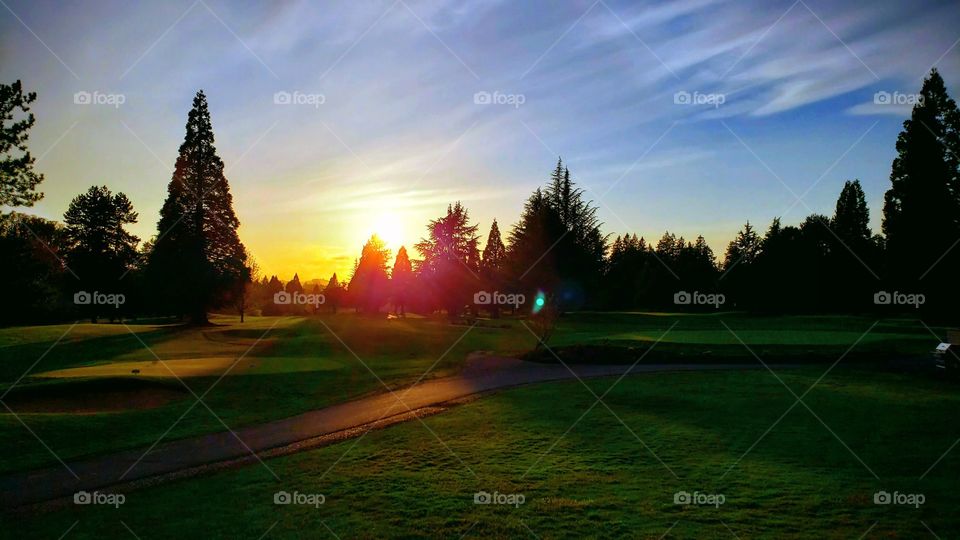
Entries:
{"x":389,"y":227}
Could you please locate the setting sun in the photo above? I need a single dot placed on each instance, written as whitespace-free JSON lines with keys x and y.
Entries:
{"x":390,"y":228}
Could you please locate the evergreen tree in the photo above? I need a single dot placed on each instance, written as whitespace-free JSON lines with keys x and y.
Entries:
{"x":369,"y":286}
{"x":493,"y":264}
{"x":197,"y":257}
{"x":921,"y":213}
{"x":294,"y":286}
{"x":18,"y":180}
{"x":273,"y":288}
{"x":851,"y":219}
{"x":853,"y":254}
{"x":738,"y":280}
{"x":99,"y":249}
{"x":32,"y":272}
{"x":450,"y":259}
{"x":494,"y":252}
{"x":401,"y":281}
{"x":333,"y":293}
{"x":537,"y":247}
{"x":559,"y":225}
{"x":743,"y":249}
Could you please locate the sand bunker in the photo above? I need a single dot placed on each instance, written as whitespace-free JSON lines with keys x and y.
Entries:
{"x":84,"y":397}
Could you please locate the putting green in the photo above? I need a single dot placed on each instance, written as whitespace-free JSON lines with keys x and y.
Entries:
{"x":193,"y":367}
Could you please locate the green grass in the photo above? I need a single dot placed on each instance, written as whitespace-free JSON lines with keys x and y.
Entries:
{"x":597,"y":479}
{"x":301,"y":365}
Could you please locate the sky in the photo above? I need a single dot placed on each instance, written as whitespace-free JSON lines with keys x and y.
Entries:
{"x":340,"y":119}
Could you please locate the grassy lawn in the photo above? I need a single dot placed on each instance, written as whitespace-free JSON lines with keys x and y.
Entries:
{"x":291,"y":365}
{"x":297,"y":366}
{"x":599,"y":480}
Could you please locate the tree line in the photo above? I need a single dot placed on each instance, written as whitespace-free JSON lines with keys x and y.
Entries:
{"x":554,"y":255}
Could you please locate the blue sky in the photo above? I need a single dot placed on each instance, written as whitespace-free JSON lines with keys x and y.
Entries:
{"x":400,"y":133}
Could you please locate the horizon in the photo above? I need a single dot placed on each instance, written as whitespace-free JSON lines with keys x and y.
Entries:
{"x":386,"y":157}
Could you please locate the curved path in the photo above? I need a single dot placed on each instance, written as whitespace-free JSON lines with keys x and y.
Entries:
{"x":481,"y":374}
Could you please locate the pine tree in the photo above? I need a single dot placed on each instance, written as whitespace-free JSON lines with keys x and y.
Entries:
{"x":853,"y":252}
{"x":494,"y":252}
{"x":333,"y":293}
{"x":743,"y":249}
{"x":450,"y":259}
{"x":294,"y":286}
{"x":198,"y":257}
{"x":559,"y":225}
{"x":369,"y":286}
{"x":851,"y":219}
{"x":401,"y":281}
{"x":921,"y":213}
{"x":99,"y":250}
{"x":18,"y":180}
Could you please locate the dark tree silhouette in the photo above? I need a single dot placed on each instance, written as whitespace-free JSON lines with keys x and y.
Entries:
{"x":921,"y":213}
{"x":333,"y":293}
{"x":401,"y":281}
{"x":247,"y":295}
{"x":273,"y":288}
{"x":99,"y":249}
{"x":294,"y":286}
{"x":197,"y":258}
{"x":18,"y":180}
{"x":557,"y":247}
{"x":739,"y":266}
{"x":853,"y":253}
{"x":450,"y":260}
{"x":369,"y":286}
{"x":32,"y":273}
{"x":493,"y":264}
{"x":584,"y":257}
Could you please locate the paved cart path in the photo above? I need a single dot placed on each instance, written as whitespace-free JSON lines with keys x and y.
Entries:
{"x":481,"y":374}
